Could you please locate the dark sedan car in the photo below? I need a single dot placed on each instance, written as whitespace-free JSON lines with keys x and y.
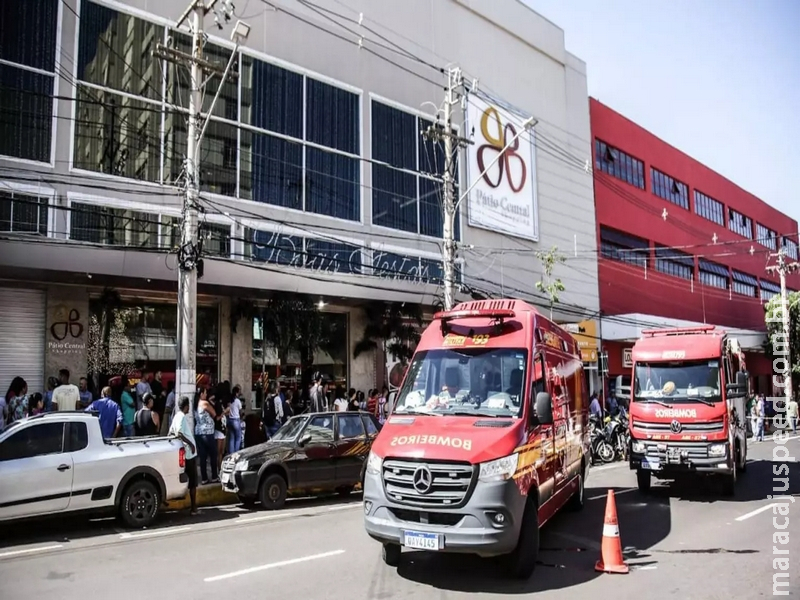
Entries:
{"x":317,"y":452}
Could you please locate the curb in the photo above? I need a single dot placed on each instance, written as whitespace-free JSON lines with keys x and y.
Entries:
{"x":212,"y":494}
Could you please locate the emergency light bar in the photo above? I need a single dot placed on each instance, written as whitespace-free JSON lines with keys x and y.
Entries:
{"x":496,"y":315}
{"x":678,"y":331}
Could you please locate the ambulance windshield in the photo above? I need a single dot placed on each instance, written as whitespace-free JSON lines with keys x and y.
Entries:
{"x":471,"y":382}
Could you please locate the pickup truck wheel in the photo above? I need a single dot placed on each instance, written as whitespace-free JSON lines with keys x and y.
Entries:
{"x":272,"y":492}
{"x":522,"y":561}
{"x":391,"y":554}
{"x":643,"y":480}
{"x":139,"y":505}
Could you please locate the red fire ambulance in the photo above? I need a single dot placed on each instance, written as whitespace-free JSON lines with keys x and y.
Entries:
{"x":687,"y":406}
{"x":487,"y":440}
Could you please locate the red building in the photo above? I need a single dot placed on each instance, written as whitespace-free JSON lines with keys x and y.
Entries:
{"x":679,"y":244}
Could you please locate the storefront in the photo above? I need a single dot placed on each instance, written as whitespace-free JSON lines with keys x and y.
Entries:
{"x":585,"y":333}
{"x":128,"y":336}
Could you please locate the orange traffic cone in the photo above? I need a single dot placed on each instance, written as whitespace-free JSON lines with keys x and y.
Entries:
{"x":611,"y":560}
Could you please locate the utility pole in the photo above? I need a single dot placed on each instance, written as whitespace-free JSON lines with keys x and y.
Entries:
{"x":782,"y":268}
{"x":189,"y":252}
{"x":452,"y":144}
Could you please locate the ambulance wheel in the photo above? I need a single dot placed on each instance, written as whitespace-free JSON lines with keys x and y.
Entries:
{"x":578,"y":500}
{"x":392,"y":554}
{"x":643,"y":480}
{"x":522,"y":561}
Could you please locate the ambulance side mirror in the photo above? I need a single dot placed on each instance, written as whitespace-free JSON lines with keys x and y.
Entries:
{"x":544,"y":409}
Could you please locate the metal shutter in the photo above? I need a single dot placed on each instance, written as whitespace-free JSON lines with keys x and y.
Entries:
{"x":22,"y":337}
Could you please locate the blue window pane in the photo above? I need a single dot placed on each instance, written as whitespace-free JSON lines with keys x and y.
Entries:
{"x":333,"y":184}
{"x":332,"y":117}
{"x":277,"y":98}
{"x":433,"y":272}
{"x":333,"y":256}
{"x":394,"y":199}
{"x":28,"y":32}
{"x":275,"y":248}
{"x":430,"y":209}
{"x":394,"y":136}
{"x":26,"y":114}
{"x":395,"y":266}
{"x":271,"y":170}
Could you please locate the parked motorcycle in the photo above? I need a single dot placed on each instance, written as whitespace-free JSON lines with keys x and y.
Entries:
{"x":609,"y":438}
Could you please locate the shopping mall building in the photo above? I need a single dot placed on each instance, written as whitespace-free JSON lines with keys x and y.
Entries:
{"x":315,"y":179}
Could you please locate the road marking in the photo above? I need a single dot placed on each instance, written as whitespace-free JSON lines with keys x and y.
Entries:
{"x":619,"y":493}
{"x":645,"y":568}
{"x":607,"y":467}
{"x":266,"y":517}
{"x":30,"y":550}
{"x":753,"y":513}
{"x":169,"y":531}
{"x":275,"y":565}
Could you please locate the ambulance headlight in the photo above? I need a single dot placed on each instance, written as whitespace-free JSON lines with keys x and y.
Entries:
{"x":499,"y":469}
{"x":374,"y":464}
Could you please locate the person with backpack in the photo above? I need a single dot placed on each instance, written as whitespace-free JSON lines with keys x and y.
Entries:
{"x":272,"y":410}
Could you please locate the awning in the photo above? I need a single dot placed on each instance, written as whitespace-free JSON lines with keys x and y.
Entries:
{"x":744,"y":278}
{"x":710,"y":267}
{"x":675,"y":256}
{"x":768,"y":286}
{"x":622,"y":239}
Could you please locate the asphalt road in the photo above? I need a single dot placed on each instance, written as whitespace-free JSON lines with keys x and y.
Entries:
{"x":681,"y":542}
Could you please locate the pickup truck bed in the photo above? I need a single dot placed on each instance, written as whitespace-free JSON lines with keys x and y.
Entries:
{"x":59,"y":462}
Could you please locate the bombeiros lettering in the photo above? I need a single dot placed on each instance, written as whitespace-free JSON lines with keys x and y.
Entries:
{"x":431,"y":440}
{"x":671,"y":413}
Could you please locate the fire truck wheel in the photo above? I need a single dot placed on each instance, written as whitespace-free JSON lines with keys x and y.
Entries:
{"x":729,"y":481}
{"x":743,"y":458}
{"x":392,"y":554}
{"x":643,"y":480}
{"x":522,"y":561}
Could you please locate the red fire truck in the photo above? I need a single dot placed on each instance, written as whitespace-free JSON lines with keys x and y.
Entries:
{"x":687,"y":406}
{"x":487,"y":440}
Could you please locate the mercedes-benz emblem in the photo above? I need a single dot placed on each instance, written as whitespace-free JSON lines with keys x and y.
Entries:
{"x":675,"y":426}
{"x":423,"y":480}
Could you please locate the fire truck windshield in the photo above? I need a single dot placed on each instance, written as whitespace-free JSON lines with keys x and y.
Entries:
{"x":472,"y":382}
{"x":677,"y":381}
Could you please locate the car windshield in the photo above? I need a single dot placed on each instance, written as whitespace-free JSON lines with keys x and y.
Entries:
{"x":473,"y":382}
{"x":289,"y":430}
{"x":677,"y":381}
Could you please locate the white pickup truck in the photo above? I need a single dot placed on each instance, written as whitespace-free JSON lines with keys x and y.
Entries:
{"x":59,"y":462}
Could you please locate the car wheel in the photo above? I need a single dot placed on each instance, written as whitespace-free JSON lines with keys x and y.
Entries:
{"x":522,"y":561}
{"x":391,"y":554}
{"x":643,"y":480}
{"x":139,"y":505}
{"x":272,"y":492}
{"x":247,"y":501}
{"x":345,"y":491}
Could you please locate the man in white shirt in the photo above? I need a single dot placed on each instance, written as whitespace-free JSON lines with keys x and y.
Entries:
{"x":180,"y":429}
{"x":66,"y":397}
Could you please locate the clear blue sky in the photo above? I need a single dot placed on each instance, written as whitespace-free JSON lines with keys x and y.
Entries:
{"x":718,"y":79}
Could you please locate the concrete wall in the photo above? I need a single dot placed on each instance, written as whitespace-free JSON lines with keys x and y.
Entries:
{"x":514,"y":54}
{"x":67,"y":318}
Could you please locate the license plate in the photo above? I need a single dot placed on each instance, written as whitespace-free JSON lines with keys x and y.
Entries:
{"x":225,"y":478}
{"x":421,"y":541}
{"x":649,"y":463}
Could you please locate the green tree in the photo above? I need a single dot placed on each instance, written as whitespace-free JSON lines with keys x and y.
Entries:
{"x":775,"y":328}
{"x":549,"y":285}
{"x":393,"y":327}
